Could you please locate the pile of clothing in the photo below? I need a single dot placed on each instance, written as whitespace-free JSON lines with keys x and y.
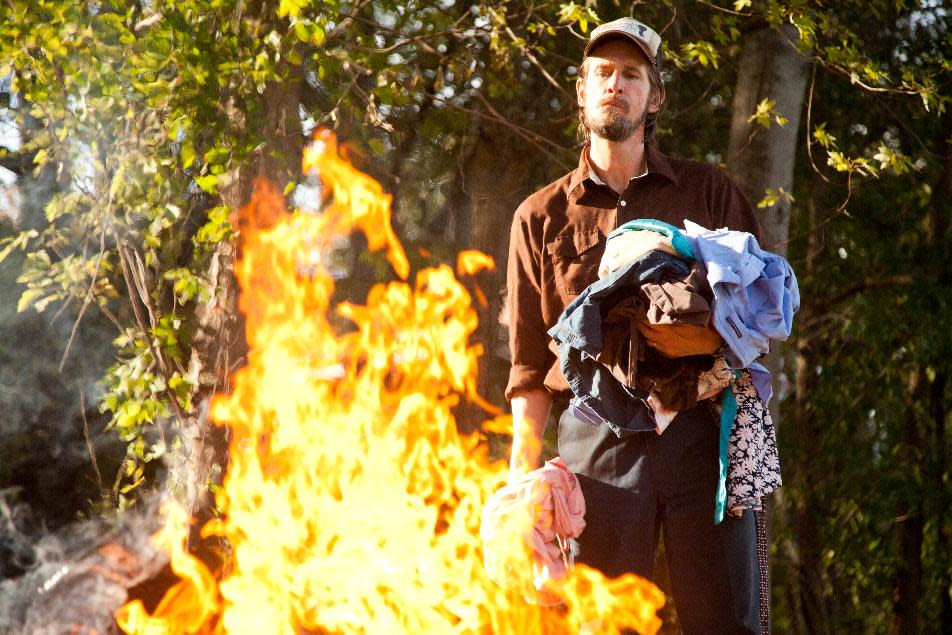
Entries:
{"x":676,"y":318}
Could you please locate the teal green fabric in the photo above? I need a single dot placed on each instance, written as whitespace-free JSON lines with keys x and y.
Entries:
{"x":728,"y":413}
{"x":680,"y":242}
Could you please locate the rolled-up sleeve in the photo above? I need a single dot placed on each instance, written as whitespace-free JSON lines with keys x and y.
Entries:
{"x":528,"y":339}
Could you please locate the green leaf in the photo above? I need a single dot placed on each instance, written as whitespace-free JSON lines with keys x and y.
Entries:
{"x":766,"y":111}
{"x":582,"y":15}
{"x":188,"y":154}
{"x":823,"y":137}
{"x":702,"y":52}
{"x":28,"y":298}
{"x":208,"y":183}
{"x":294,"y":56}
{"x":317,"y":35}
{"x":291,"y":8}
{"x":20,"y":241}
{"x":40,"y":158}
{"x":772,"y":197}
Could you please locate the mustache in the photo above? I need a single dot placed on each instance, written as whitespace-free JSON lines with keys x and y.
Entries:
{"x":614,"y":101}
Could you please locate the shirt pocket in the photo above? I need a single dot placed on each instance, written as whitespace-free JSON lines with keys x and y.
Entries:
{"x":575,"y":257}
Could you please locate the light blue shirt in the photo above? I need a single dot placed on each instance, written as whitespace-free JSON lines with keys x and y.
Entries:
{"x":755,"y":295}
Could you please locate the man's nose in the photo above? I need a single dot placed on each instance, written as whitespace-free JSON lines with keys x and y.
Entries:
{"x":614,"y":82}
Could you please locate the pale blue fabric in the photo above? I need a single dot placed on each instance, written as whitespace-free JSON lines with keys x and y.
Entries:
{"x":760,"y":377}
{"x":755,"y":295}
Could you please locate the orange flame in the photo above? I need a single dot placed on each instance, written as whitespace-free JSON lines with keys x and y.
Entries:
{"x":188,"y":605}
{"x":351,"y":502}
{"x":470,"y":262}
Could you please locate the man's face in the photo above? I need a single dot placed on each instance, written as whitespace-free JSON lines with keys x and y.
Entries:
{"x":615,"y":94}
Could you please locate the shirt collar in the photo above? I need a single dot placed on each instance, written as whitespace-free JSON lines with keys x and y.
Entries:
{"x":657,"y":164}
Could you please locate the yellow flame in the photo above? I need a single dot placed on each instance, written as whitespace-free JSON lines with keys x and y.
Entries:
{"x":359,"y":201}
{"x":351,"y":503}
{"x":191,"y":603}
{"x":470,"y":262}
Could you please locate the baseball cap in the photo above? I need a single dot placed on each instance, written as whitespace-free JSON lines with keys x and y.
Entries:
{"x":637,"y":32}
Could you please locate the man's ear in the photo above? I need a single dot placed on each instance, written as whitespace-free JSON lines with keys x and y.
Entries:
{"x":580,"y":91}
{"x":655,"y":99}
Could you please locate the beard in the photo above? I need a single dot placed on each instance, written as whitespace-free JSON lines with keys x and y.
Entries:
{"x":612,"y":124}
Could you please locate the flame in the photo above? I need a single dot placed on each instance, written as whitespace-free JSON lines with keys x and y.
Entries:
{"x":471,"y":262}
{"x":351,"y":502}
{"x":188,"y":605}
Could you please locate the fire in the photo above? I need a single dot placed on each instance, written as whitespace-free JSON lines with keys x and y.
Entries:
{"x":351,"y":502}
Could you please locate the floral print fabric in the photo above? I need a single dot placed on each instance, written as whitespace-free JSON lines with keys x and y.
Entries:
{"x":753,"y":463}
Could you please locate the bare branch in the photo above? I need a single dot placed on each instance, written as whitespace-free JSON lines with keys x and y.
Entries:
{"x":725,"y":9}
{"x":535,"y":62}
{"x":809,"y":140}
{"x":87,"y":299}
{"x":128,"y":276}
{"x":866,"y":284}
{"x":537,"y":140}
{"x":345,"y":22}
{"x":89,"y":441}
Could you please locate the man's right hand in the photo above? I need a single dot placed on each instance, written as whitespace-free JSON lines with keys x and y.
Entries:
{"x":530,"y":411}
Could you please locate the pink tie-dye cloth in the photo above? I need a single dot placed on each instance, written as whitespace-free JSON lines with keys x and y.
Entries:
{"x":546,"y":508}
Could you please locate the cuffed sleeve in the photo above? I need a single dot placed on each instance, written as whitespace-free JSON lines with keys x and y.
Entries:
{"x":528,"y":339}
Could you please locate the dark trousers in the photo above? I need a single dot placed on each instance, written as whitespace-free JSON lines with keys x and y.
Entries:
{"x":638,"y":484}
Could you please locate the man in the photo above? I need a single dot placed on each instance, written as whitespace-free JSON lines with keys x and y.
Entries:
{"x":637,"y":484}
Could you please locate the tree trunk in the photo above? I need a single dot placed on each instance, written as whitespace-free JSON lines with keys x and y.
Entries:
{"x":219,"y":347}
{"x":940,"y":415}
{"x":940,"y":221}
{"x":482,"y":210}
{"x":770,"y":67}
{"x":907,"y":578}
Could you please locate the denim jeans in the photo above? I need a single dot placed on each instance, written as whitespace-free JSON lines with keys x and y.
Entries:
{"x":642,"y":485}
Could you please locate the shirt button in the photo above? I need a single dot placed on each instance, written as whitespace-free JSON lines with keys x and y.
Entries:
{"x":623,"y":203}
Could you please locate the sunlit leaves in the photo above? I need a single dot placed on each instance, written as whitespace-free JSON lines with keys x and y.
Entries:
{"x":704,"y":53}
{"x":188,"y":154}
{"x":582,"y":15}
{"x":216,"y":229}
{"x":773,"y":197}
{"x":842,"y":163}
{"x":291,"y":7}
{"x":766,"y":112}
{"x":823,"y":137}
{"x":888,"y":157}
{"x":208,"y":183}
{"x":186,"y":284}
{"x":892,"y":160}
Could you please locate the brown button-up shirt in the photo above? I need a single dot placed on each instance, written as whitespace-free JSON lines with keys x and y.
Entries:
{"x":559,"y":234}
